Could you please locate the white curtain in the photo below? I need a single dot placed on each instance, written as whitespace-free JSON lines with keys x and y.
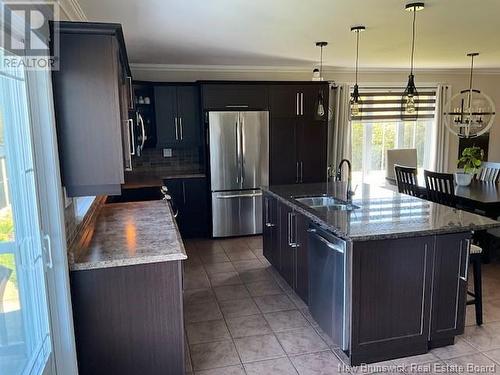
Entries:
{"x":441,"y":138}
{"x":339,"y":126}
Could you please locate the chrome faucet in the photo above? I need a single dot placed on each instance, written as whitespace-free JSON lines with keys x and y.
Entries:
{"x":349,"y":191}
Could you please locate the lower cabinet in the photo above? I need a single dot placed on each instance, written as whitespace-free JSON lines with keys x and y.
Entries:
{"x":285,"y":244}
{"x":190,"y":200}
{"x":117,"y":310}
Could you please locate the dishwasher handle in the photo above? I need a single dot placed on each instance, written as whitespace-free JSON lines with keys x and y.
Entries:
{"x":335,"y":247}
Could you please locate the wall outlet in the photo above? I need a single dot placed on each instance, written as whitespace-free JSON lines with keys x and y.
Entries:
{"x":167,"y":152}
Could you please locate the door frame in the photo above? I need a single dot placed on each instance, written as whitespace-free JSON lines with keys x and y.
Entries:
{"x":50,"y":196}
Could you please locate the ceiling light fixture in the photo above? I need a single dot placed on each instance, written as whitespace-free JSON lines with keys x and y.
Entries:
{"x":409,"y":100}
{"x":470,"y":113}
{"x":320,"y":105}
{"x":355,"y":99}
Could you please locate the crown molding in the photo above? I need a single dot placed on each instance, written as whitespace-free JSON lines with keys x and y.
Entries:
{"x":72,"y":10}
{"x":299,"y":69}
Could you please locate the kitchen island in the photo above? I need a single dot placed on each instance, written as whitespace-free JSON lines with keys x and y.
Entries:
{"x":384,"y":276}
{"x":126,"y":288}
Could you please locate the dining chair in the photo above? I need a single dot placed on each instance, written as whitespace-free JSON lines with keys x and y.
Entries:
{"x":404,"y":156}
{"x":406,"y":179}
{"x":477,"y":294}
{"x":440,"y":188}
{"x":490,"y":172}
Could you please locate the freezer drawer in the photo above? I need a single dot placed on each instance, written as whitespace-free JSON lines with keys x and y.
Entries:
{"x":236,"y":213}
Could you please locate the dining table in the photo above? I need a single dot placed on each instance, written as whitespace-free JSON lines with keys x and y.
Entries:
{"x":479,"y":197}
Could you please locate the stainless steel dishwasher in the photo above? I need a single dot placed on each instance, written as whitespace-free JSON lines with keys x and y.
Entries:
{"x":328,"y":286}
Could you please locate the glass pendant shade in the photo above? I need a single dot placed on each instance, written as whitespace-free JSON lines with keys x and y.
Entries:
{"x":320,"y":107}
{"x":409,"y":100}
{"x":355,"y":102}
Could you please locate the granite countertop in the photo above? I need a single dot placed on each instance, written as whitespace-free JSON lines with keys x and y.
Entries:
{"x":382,"y":213}
{"x":131,"y":233}
{"x":140,"y":180}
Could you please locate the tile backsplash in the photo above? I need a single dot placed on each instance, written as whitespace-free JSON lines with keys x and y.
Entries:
{"x":182,"y":160}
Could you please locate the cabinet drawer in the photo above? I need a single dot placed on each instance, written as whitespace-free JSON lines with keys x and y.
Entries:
{"x":237,"y":97}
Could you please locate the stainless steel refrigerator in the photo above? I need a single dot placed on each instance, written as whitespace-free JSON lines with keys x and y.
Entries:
{"x":239,"y":165}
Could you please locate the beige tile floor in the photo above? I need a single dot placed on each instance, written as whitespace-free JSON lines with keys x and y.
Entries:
{"x":242,"y":318}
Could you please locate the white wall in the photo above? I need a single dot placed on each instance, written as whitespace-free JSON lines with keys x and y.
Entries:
{"x":488,"y":82}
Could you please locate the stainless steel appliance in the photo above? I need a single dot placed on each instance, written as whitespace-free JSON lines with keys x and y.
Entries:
{"x":328,"y":284}
{"x":239,"y":165}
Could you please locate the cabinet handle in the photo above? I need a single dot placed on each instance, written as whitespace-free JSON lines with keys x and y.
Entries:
{"x":297,"y":105}
{"x":302,"y":104}
{"x":270,"y":225}
{"x":301,"y":171}
{"x":297,"y":172}
{"x":132,"y":136}
{"x":289,"y":228}
{"x":184,"y":191}
{"x":467,"y":259}
{"x":237,"y":106}
{"x":181,"y":129}
{"x":176,"y":130}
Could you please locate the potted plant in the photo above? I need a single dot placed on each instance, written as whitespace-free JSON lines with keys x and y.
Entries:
{"x":470,"y":161}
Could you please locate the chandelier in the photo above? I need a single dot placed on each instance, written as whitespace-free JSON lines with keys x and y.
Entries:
{"x":469,"y":113}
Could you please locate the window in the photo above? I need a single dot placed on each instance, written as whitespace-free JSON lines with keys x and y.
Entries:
{"x":379,"y":128}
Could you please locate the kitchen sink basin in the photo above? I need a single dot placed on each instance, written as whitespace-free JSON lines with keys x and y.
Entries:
{"x":325,"y":201}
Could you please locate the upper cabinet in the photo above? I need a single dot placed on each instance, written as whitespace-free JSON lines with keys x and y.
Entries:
{"x":235,"y":96}
{"x":297,"y":100}
{"x":178,"y":122}
{"x":92,"y":96}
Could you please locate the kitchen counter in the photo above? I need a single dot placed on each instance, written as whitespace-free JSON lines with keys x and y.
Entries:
{"x":131,"y":234}
{"x":140,"y":180}
{"x":382,"y":213}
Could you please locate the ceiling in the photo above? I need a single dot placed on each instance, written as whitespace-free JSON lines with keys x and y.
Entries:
{"x":282,"y":33}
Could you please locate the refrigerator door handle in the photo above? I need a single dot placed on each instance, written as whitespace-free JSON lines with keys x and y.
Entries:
{"x":251,"y":195}
{"x":242,"y":149}
{"x":237,"y":150}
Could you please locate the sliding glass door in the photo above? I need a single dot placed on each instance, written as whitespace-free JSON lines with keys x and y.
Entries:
{"x":25,"y":341}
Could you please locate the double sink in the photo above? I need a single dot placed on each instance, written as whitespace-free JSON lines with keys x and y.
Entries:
{"x":326,"y":201}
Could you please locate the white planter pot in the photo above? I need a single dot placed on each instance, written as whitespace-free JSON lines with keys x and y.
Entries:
{"x":463,"y":179}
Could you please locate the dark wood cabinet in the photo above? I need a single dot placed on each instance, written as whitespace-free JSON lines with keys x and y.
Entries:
{"x":178,"y":122}
{"x":298,"y":141}
{"x":235,"y":96}
{"x":91,"y":98}
{"x":284,"y":167}
{"x":190,"y":199}
{"x":449,"y":287}
{"x":302,"y":257}
{"x":270,"y":231}
{"x":117,"y":310}
{"x":285,"y":243}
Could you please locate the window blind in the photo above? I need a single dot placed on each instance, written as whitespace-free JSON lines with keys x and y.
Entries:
{"x":384,"y":104}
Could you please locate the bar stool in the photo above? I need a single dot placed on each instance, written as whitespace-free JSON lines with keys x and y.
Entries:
{"x":477,"y":295}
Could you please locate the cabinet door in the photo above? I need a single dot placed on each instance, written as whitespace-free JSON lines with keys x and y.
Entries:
{"x":288,"y":259}
{"x":270,"y":231}
{"x":284,"y":101}
{"x":87,"y":107}
{"x":449,"y":286}
{"x":188,"y":113}
{"x":167,"y":127}
{"x":284,"y":168}
{"x":195,"y":208}
{"x":309,"y":100}
{"x":302,"y":257}
{"x":237,"y":97}
{"x":311,"y":150}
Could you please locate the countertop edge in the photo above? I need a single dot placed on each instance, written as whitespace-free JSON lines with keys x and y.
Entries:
{"x":382,"y":236}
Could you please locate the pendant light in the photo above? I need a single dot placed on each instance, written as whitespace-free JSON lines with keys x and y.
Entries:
{"x":355,"y":99}
{"x":470,"y":113}
{"x":320,"y":111}
{"x":409,"y":100}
